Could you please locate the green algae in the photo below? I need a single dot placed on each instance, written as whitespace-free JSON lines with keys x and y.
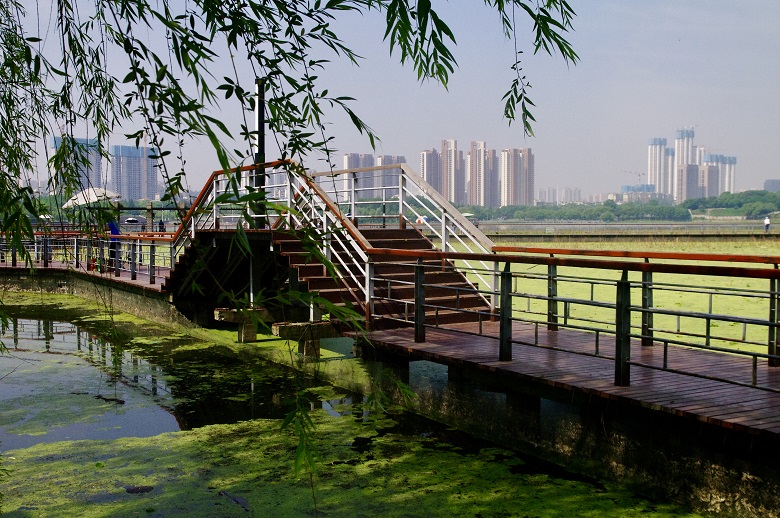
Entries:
{"x":229,"y":470}
{"x":365,"y":467}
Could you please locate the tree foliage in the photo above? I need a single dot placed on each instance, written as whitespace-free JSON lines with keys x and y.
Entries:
{"x":751,"y":204}
{"x":151,"y":70}
{"x":608,"y":211}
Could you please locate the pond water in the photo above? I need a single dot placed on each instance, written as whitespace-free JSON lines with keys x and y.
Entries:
{"x":61,"y":382}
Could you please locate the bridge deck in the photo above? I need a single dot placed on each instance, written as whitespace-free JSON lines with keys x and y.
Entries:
{"x":571,"y":366}
{"x":141,"y":280}
{"x":719,"y":403}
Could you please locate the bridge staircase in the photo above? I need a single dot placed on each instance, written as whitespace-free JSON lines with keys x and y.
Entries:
{"x":450,"y":296}
{"x":359,"y":221}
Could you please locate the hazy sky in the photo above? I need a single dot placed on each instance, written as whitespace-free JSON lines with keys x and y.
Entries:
{"x":647,"y":69}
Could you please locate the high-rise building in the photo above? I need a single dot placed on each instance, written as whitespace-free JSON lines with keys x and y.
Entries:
{"x":656,"y":164}
{"x":709,"y":181}
{"x":728,"y":168}
{"x":482,"y":176}
{"x":670,"y":167}
{"x":476,"y":164}
{"x":517,"y":177}
{"x":453,"y":178}
{"x":688,"y":184}
{"x":134,"y":172}
{"x":493,"y":180}
{"x":385,"y":178}
{"x":356,"y":161}
{"x":430,"y":169}
{"x":683,"y":147}
{"x":87,"y":157}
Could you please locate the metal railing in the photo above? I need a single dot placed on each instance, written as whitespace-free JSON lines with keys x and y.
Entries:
{"x":730,"y":310}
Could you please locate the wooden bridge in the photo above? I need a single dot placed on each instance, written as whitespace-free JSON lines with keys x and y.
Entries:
{"x":690,"y":335}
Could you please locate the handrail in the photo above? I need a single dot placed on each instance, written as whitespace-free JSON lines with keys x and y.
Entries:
{"x":695,"y":269}
{"x":684,"y":256}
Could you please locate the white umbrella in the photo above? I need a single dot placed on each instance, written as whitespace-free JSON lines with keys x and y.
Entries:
{"x":90,"y":196}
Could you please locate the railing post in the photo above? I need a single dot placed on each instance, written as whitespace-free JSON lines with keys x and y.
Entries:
{"x":117,"y":257}
{"x":552,"y":297}
{"x":505,"y":323}
{"x":623,"y":331}
{"x":495,"y":296}
{"x":45,"y":252}
{"x":369,"y":285}
{"x":647,"y":306}
{"x":151,"y":263}
{"x":89,"y":253}
{"x":76,"y":253}
{"x":419,"y":302}
{"x":133,"y":257}
{"x":774,"y":313}
{"x":13,"y":256}
{"x":402,"y":200}
{"x":445,"y":232}
{"x":352,"y":195}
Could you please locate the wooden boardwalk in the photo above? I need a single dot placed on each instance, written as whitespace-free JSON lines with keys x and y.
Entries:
{"x":124,"y":278}
{"x":565,"y":360}
{"x":727,"y":405}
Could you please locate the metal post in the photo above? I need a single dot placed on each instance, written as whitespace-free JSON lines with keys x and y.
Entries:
{"x":45,"y":252}
{"x":259,"y":182}
{"x":133,"y":257}
{"x":151,"y":263}
{"x":419,"y":302}
{"x":369,"y":293}
{"x":117,"y":256}
{"x":494,"y":288}
{"x":76,"y":253}
{"x":445,"y":232}
{"x":623,"y":331}
{"x":647,"y":306}
{"x":402,"y":200}
{"x":13,"y":256}
{"x":505,"y":324}
{"x":352,"y":195}
{"x":552,"y":297}
{"x":774,"y":314}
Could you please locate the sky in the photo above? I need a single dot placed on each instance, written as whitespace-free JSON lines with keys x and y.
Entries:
{"x":646,"y":69}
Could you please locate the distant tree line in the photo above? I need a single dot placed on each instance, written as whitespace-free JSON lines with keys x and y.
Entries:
{"x":751,"y":204}
{"x":608,"y":211}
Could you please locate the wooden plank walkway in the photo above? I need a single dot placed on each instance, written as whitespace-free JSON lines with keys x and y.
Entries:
{"x":571,"y":366}
{"x":719,"y":403}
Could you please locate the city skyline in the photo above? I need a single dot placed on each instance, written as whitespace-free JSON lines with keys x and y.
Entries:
{"x":645,"y":68}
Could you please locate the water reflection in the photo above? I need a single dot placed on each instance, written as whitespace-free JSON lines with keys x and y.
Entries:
{"x":61,"y":381}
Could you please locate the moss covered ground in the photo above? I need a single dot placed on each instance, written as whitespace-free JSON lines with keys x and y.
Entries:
{"x":364,"y":467}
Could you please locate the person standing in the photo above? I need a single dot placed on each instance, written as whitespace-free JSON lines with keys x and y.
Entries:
{"x":766,"y":225}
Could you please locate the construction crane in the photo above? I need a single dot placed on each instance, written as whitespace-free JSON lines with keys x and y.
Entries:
{"x":638,"y":175}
